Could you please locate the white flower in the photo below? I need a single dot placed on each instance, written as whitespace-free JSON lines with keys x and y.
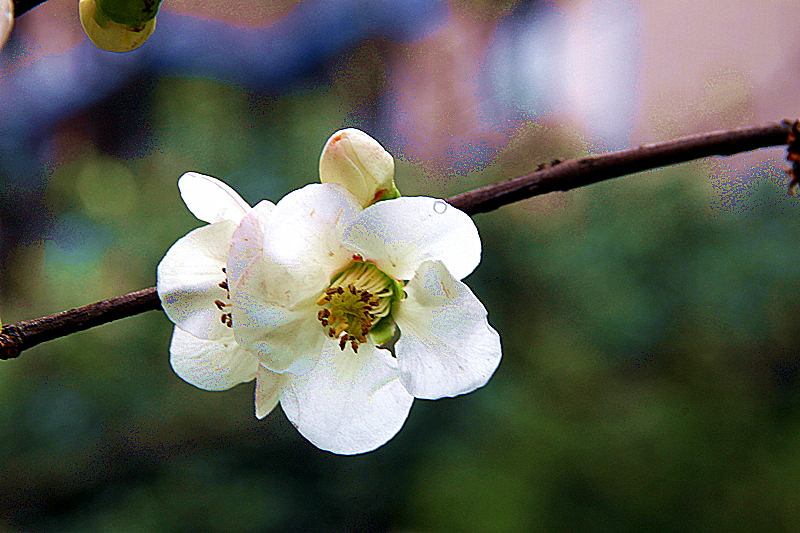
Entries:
{"x":192,"y":285}
{"x":354,"y":159}
{"x":320,"y":282}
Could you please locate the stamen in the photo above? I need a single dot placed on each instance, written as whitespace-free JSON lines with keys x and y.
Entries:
{"x":357,"y":299}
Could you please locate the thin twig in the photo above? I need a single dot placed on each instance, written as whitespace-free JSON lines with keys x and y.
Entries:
{"x":23,"y":6}
{"x":575,"y":173}
{"x":23,"y":335}
{"x":559,"y":176}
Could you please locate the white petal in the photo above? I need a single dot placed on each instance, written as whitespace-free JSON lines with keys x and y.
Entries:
{"x":350,"y":403}
{"x":400,"y":234}
{"x":446,"y":345}
{"x":283,"y":340}
{"x":305,"y":230}
{"x":281,"y":267}
{"x":210,"y":200}
{"x":269,"y":387}
{"x":247,"y":243}
{"x":189,"y":276}
{"x":210,"y":365}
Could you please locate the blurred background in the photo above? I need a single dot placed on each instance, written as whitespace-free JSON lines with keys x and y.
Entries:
{"x":651,"y":367}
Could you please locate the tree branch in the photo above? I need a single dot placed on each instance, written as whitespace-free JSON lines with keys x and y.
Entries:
{"x":558,"y":176}
{"x":23,"y":6}
{"x":567,"y":175}
{"x":23,"y":335}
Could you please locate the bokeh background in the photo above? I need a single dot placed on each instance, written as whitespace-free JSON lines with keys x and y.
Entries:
{"x":651,"y":366}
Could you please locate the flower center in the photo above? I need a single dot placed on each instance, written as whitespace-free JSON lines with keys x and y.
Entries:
{"x":356,"y":300}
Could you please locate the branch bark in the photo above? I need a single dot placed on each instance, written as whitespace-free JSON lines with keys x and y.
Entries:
{"x":559,"y":176}
{"x":23,"y":6}
{"x":23,"y":335}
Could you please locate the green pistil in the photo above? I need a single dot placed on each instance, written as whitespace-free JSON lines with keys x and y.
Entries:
{"x":355,"y":302}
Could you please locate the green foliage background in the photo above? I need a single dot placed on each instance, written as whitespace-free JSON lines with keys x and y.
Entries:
{"x":649,"y":377}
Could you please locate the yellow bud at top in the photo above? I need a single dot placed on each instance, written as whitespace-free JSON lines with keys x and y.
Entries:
{"x":354,"y":159}
{"x":6,"y":20}
{"x":109,"y":35}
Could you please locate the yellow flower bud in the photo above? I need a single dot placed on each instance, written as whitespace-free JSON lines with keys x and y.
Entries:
{"x":6,"y":20}
{"x":109,"y":35}
{"x":354,"y":159}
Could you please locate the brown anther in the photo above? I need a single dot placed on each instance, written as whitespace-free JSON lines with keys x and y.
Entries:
{"x":354,"y":345}
{"x":342,"y":342}
{"x":339,"y":290}
{"x":220,"y":304}
{"x":224,"y":271}
{"x":224,"y":284}
{"x":365,"y":296}
{"x":331,"y":333}
{"x":352,"y":289}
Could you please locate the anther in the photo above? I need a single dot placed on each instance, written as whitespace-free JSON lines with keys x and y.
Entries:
{"x":220,"y":305}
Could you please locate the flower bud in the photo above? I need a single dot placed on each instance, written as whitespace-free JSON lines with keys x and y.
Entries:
{"x":106,"y":30}
{"x":354,"y":159}
{"x":6,"y":20}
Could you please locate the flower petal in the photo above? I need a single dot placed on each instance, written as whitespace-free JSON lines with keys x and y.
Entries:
{"x":210,"y":200}
{"x":282,"y":340}
{"x":350,"y":403}
{"x":305,"y":231}
{"x":269,"y":387}
{"x":210,"y":365}
{"x":188,"y":280}
{"x":400,"y":234}
{"x":446,"y":345}
{"x":247,"y":243}
{"x":281,"y":267}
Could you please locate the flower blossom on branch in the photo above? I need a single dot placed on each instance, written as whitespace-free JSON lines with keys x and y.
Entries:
{"x":343,"y":305}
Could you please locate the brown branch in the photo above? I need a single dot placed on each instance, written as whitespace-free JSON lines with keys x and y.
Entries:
{"x":23,"y":335}
{"x":583,"y":171}
{"x":23,"y":6}
{"x":559,"y":176}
